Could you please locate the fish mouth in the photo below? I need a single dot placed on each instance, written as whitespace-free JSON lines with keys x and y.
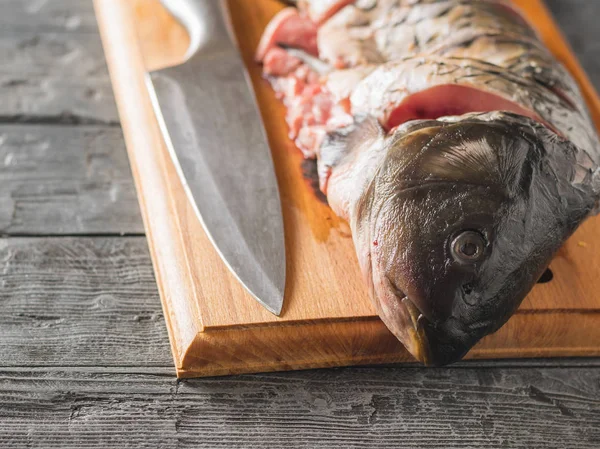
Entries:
{"x":411,"y":329}
{"x":431,"y":344}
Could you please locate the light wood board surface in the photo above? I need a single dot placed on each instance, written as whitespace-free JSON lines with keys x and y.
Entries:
{"x":214,"y":326}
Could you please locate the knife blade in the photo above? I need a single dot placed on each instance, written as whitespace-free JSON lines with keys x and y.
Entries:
{"x":209,"y":118}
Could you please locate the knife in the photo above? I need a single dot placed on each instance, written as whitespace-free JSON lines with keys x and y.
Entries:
{"x":211,"y":124}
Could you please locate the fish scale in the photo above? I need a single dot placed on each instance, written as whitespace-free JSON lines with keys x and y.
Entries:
{"x":416,"y":29}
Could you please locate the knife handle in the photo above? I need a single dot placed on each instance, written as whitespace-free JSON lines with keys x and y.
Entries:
{"x":205,"y":21}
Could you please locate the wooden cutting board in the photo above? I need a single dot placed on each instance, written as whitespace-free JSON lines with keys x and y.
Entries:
{"x":215,"y":327}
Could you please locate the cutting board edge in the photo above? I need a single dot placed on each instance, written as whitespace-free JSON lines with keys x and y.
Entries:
{"x":307,"y":345}
{"x":133,"y":105}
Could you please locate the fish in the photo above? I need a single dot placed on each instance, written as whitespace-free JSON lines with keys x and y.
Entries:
{"x":457,"y":147}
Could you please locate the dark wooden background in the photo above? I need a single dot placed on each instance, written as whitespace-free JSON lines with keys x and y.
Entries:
{"x":84,"y":354}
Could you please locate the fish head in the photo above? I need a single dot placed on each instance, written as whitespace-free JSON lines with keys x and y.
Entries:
{"x":460,"y":221}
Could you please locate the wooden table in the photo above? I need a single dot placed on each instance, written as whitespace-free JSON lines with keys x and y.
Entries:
{"x":84,"y":353}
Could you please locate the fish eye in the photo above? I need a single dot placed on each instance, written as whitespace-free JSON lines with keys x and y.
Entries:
{"x":468,"y":247}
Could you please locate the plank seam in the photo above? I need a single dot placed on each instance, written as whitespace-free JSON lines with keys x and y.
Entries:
{"x":9,"y":235}
{"x":65,"y":118}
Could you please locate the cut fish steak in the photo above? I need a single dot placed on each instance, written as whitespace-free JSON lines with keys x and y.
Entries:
{"x":457,"y":147}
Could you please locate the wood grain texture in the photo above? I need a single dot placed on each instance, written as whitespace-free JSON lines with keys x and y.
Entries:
{"x":327,"y":320}
{"x":54,"y":78}
{"x":65,"y":179}
{"x":84,"y":362}
{"x":375,"y":408}
{"x":69,"y":16}
{"x":79,"y":302}
{"x":57,"y":180}
{"x":52,"y":65}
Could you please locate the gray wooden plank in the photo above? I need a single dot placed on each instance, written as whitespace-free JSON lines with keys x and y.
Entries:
{"x":85,"y":362}
{"x":66,"y":180}
{"x":80,"y":302}
{"x":344,"y":408}
{"x":92,"y":301}
{"x":54,"y":78}
{"x":48,"y":15}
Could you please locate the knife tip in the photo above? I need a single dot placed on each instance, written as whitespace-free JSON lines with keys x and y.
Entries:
{"x":276,"y":312}
{"x":274,"y":306}
{"x":268,"y":289}
{"x":270,"y":298}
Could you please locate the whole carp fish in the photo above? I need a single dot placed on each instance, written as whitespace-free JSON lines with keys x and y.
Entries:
{"x":458,"y":149}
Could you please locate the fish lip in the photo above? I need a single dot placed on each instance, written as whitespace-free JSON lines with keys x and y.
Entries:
{"x":423,"y":352}
{"x":418,"y":344}
{"x":413,"y":311}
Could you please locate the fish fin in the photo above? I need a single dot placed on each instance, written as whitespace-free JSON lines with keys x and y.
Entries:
{"x":343,"y":142}
{"x":365,"y":129}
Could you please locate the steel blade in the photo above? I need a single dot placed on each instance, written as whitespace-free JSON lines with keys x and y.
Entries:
{"x":211,"y":124}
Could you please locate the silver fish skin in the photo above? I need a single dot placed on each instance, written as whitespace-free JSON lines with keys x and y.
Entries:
{"x":460,"y":151}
